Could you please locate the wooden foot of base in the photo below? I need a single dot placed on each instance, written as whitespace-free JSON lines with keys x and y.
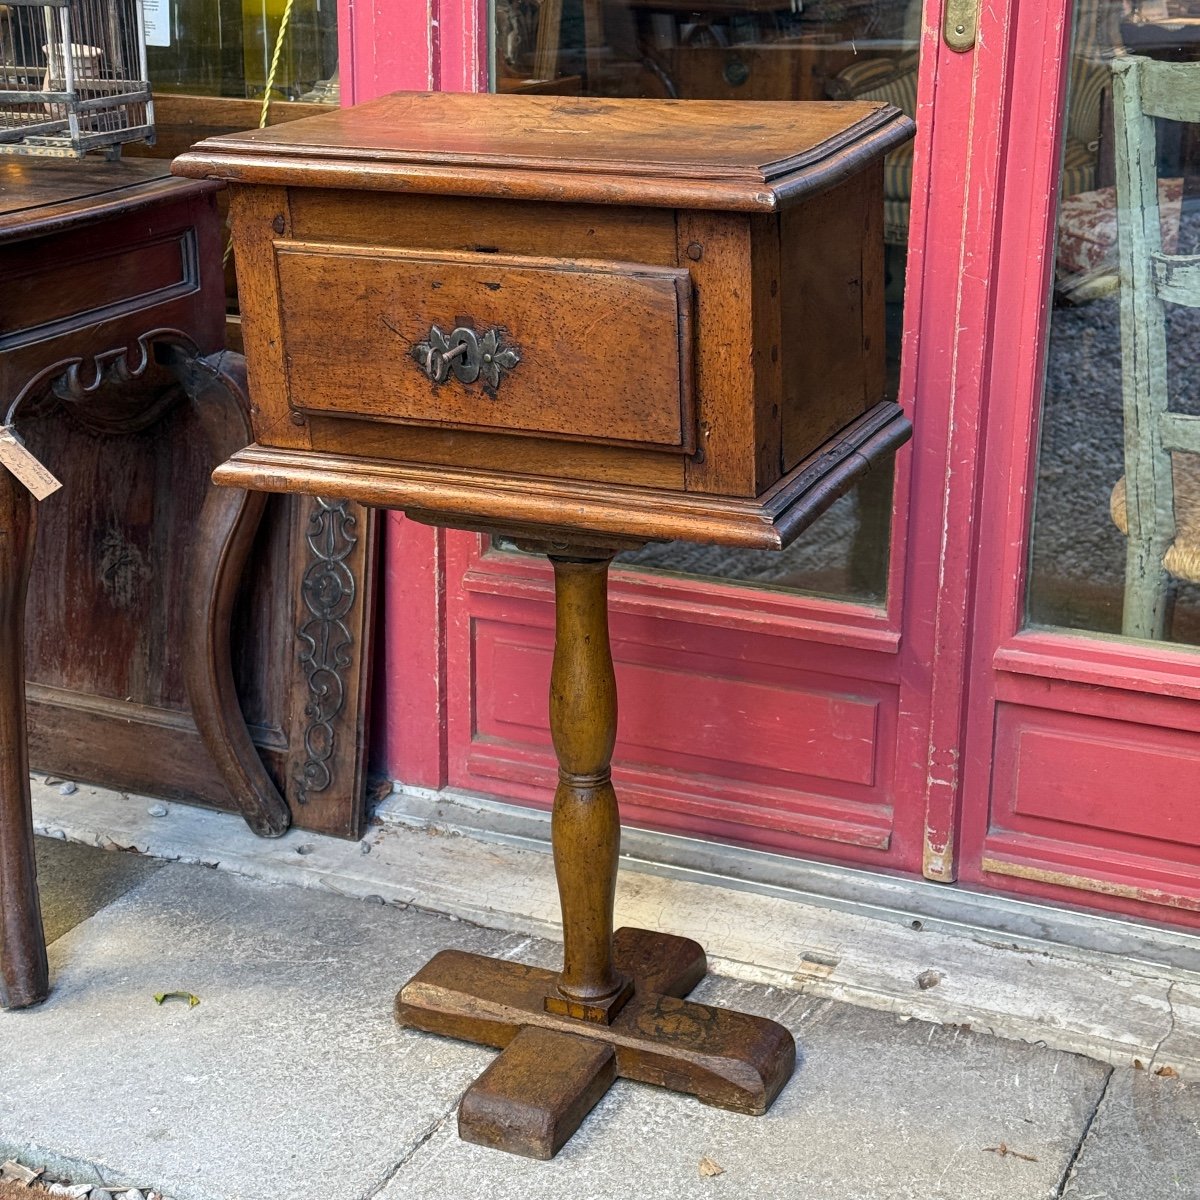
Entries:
{"x":728,"y":1059}
{"x":536,"y":1093}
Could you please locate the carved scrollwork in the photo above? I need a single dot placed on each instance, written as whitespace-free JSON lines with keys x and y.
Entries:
{"x":329,"y":591}
{"x":121,"y":390}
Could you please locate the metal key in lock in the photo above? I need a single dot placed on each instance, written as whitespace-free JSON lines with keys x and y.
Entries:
{"x":465,"y":354}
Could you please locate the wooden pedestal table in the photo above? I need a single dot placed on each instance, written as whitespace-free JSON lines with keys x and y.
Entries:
{"x":112,"y":308}
{"x":584,"y":325}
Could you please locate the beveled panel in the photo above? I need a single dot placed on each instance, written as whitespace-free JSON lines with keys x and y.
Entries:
{"x":96,"y":283}
{"x":1094,"y":781}
{"x":570,"y":372}
{"x":733,"y":723}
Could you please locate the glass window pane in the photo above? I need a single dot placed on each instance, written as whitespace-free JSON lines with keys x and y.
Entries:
{"x":226,"y":48}
{"x":749,"y":50}
{"x":1116,"y":511}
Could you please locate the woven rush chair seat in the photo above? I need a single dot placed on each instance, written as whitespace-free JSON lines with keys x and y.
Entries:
{"x":1182,"y":558}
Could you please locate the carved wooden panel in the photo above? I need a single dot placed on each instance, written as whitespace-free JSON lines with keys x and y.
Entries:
{"x":333,"y":546}
{"x":107,"y":696}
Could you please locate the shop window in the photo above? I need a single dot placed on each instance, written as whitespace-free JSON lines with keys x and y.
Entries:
{"x":816,"y":50}
{"x":227,"y":47}
{"x":210,"y":64}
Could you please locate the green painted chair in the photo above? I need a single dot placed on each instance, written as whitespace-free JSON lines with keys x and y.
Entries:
{"x":1157,"y":503}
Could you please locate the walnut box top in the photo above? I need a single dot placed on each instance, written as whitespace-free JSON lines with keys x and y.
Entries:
{"x":734,"y":155}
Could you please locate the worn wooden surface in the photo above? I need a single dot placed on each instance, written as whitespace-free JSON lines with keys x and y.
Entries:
{"x":536,"y":1093}
{"x":561,"y":384}
{"x":831,"y":278}
{"x":487,"y":497}
{"x":718,"y":249}
{"x":728,"y":155}
{"x":727,"y":1059}
{"x":587,"y":825}
{"x":53,"y":191}
{"x":464,"y":223}
{"x":224,"y":538}
{"x":24,"y":974}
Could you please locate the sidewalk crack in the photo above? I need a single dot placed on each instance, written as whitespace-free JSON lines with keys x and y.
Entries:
{"x":413,"y":1150}
{"x":1162,"y":1041}
{"x":1069,"y":1169}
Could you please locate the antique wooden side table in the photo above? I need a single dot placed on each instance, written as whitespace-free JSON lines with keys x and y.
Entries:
{"x":112,"y":306}
{"x":583,"y":324}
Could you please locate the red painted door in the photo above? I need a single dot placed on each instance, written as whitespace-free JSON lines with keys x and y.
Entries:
{"x":1082,"y":756}
{"x":938,"y":692}
{"x":772,"y":701}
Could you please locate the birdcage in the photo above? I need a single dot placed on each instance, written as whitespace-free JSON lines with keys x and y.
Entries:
{"x":73,"y":77}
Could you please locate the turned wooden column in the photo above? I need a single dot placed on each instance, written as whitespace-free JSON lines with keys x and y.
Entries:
{"x":586,"y":826}
{"x":24,"y":974}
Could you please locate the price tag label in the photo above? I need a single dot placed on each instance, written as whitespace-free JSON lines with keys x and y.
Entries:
{"x":25,"y":466}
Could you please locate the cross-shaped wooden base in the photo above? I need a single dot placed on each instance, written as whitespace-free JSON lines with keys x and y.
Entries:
{"x":554,"y":1068}
{"x":617,"y":1007}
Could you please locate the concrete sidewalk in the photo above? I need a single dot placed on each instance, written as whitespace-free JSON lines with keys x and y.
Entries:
{"x":290,"y":1078}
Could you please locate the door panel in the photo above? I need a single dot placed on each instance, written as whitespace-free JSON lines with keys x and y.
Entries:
{"x":1074,"y":779}
{"x":732,"y":728}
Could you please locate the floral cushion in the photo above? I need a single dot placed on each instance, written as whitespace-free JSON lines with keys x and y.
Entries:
{"x":1087,"y":228}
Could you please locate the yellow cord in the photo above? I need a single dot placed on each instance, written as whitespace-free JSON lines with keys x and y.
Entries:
{"x":266,"y":104}
{"x":283,"y":27}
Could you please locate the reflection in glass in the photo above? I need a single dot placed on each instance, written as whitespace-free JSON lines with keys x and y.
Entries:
{"x":745,"y":50}
{"x":226,"y":47}
{"x":1116,"y":535}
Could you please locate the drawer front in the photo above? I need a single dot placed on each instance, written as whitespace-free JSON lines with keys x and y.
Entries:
{"x":587,"y":351}
{"x":100,"y":274}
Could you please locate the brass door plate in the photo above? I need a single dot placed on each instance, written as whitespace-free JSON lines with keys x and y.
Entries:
{"x":960,"y":23}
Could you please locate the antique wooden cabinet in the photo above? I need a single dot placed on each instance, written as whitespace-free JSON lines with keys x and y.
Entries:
{"x":584,"y":324}
{"x":691,"y":295}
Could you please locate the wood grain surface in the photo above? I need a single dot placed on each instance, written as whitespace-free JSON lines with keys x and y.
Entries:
{"x":24,"y":974}
{"x":767,"y":522}
{"x":571,"y":378}
{"x":732,"y":155}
